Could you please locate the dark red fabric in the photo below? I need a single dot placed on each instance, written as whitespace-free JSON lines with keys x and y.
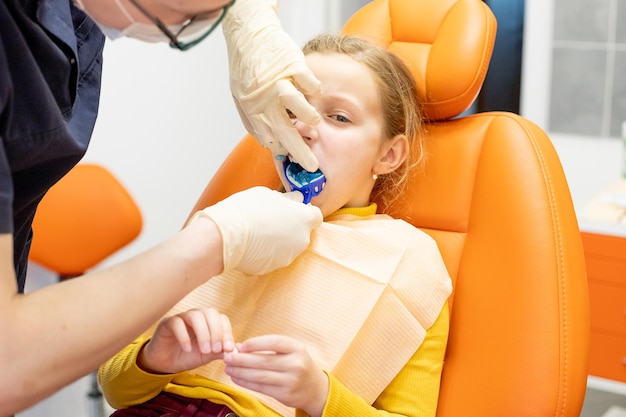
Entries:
{"x":171,"y":405}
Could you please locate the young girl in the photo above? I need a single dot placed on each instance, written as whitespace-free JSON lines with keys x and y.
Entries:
{"x":358,"y":324}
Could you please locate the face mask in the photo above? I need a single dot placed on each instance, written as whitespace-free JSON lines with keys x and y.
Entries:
{"x":146,"y":32}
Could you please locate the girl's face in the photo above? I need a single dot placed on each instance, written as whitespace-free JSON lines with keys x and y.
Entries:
{"x":348,"y":141}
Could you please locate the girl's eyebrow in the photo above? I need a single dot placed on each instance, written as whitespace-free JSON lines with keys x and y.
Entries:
{"x":342,"y":100}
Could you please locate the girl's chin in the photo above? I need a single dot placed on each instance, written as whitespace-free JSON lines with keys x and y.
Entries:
{"x":318,"y":201}
{"x":324,"y":207}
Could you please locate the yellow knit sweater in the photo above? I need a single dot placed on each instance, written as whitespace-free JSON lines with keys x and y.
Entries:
{"x":413,"y":392}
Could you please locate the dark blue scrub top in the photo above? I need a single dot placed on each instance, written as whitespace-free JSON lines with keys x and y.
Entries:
{"x":50,"y":70}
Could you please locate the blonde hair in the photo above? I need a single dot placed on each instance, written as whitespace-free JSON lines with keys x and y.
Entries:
{"x":399,"y":101}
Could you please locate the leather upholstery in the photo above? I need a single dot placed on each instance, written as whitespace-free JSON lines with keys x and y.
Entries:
{"x":494,"y":196}
{"x":84,"y":218}
{"x":446,"y":44}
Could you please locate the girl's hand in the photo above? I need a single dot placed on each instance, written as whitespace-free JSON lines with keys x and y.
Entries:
{"x":279,"y":366}
{"x":186,"y":341}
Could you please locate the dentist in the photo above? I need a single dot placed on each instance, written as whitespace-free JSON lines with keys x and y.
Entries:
{"x":50,"y":69}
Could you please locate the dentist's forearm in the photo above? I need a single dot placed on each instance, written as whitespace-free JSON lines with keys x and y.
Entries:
{"x":60,"y":333}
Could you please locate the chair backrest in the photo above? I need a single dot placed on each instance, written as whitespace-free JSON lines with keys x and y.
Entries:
{"x":83,"y":219}
{"x":494,"y":196}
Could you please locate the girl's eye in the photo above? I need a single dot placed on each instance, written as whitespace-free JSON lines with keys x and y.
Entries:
{"x":340,"y":118}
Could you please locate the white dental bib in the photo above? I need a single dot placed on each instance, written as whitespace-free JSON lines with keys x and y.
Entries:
{"x":361,"y":298}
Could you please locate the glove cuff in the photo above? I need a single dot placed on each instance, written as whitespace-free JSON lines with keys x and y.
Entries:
{"x":244,"y":11}
{"x":232,"y":246}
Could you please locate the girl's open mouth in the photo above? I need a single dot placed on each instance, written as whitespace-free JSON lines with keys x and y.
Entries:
{"x":308,"y":183}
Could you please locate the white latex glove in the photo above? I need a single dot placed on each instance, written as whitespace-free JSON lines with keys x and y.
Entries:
{"x":268,"y":75}
{"x":262,"y":229}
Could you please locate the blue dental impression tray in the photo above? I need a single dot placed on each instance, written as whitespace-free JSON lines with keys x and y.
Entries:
{"x":308,"y":183}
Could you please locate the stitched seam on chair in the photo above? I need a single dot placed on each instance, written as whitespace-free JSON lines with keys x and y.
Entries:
{"x":563,"y":344}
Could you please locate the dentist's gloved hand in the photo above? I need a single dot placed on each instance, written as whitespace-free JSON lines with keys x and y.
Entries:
{"x":268,"y":75}
{"x":262,"y":229}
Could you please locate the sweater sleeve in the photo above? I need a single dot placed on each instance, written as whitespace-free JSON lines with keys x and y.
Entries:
{"x":124,"y":383}
{"x":414,"y":392}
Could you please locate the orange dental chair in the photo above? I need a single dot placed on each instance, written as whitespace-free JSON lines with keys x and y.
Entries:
{"x":83,"y":219}
{"x":494,"y":196}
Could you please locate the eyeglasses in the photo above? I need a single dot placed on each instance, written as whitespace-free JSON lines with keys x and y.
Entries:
{"x":174,"y":37}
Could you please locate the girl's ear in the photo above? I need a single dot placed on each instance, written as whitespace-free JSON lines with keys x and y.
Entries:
{"x":394,"y":154}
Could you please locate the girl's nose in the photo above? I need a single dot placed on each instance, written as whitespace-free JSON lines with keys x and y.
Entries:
{"x":307,"y":132}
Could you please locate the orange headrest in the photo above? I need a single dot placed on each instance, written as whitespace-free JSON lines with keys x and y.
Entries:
{"x":447,"y":45}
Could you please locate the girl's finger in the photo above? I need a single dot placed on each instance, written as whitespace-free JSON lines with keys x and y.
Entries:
{"x":215,"y":328}
{"x":228,"y":338}
{"x":178,"y":327}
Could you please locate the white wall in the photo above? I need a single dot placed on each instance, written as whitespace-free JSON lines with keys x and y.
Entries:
{"x":536,"y":59}
{"x":167,"y":120}
{"x":591,"y":164}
